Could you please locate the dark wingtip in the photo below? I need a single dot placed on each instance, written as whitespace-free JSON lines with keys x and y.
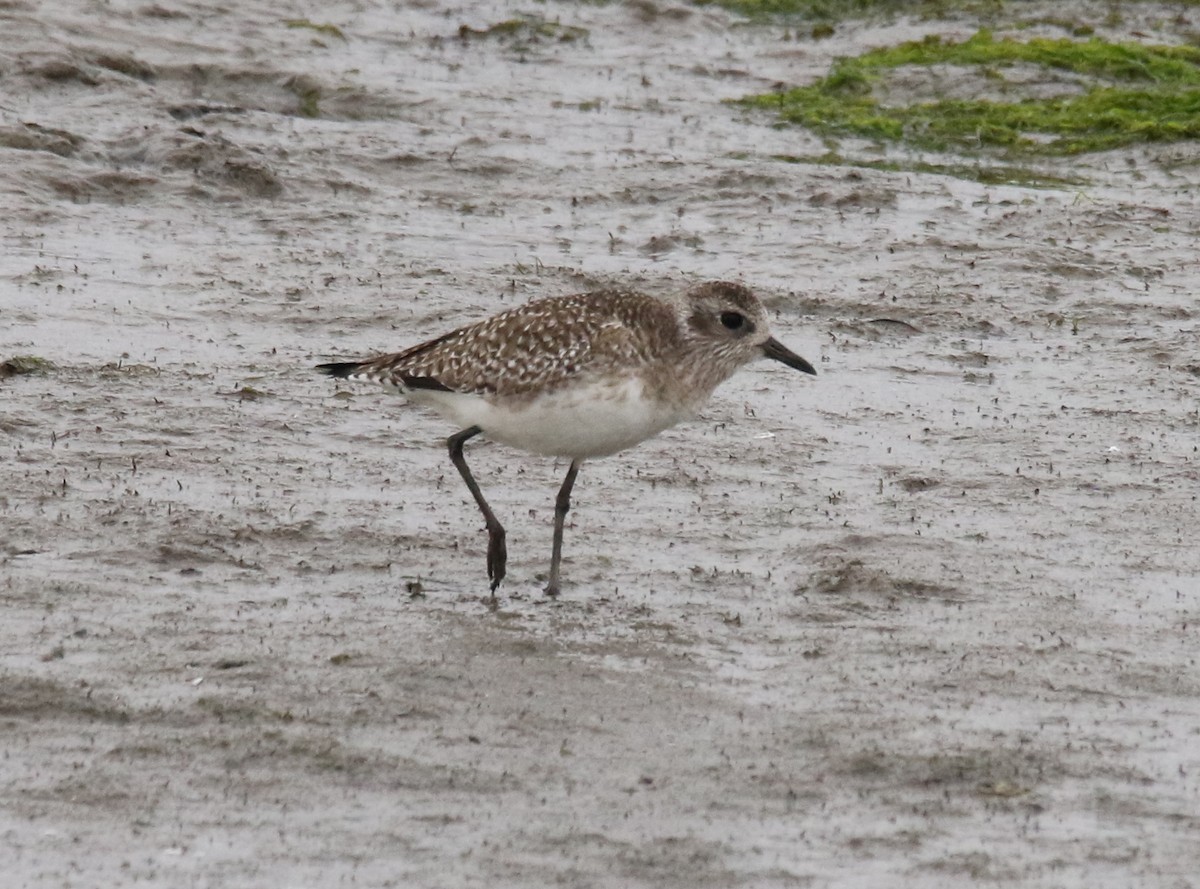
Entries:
{"x":430,"y":383}
{"x":340,"y":369}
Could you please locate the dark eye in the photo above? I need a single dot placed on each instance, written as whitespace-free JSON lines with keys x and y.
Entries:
{"x":733,"y":320}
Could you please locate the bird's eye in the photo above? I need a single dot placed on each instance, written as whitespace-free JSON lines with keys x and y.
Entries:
{"x":732,"y":320}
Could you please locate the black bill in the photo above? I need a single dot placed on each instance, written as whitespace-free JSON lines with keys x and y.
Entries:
{"x":772,"y":348}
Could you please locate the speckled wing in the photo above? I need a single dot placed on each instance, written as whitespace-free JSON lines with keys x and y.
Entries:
{"x":540,"y":346}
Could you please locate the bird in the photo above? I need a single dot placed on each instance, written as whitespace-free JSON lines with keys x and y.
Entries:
{"x":576,"y":377}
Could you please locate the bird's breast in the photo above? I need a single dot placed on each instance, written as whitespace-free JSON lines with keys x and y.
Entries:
{"x":587,"y":419}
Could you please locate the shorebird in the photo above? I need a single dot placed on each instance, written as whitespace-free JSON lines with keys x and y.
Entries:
{"x":577,"y":377}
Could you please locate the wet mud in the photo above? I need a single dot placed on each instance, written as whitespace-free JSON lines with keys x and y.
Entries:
{"x":930,"y":617}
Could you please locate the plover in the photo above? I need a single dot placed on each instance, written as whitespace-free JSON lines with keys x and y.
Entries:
{"x":577,"y":377}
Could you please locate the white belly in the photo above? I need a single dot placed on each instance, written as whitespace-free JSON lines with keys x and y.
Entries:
{"x":580,"y":421}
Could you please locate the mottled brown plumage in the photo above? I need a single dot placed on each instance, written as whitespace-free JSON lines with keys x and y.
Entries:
{"x":537,"y":347}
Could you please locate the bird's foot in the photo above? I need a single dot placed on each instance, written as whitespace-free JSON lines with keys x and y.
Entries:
{"x":497,"y":557}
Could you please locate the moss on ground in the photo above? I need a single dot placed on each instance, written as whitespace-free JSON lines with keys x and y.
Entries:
{"x":1133,"y":93}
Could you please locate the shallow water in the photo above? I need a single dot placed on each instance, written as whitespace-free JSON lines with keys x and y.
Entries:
{"x":932,"y":613}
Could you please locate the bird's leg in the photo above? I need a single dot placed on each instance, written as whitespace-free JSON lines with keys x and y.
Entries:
{"x":497,"y":554}
{"x":562,"y":504}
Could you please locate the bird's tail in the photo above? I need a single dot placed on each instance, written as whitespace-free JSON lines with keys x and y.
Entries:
{"x":340,"y":369}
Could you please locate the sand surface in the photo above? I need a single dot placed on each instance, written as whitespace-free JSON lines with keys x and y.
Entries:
{"x":930,"y":618}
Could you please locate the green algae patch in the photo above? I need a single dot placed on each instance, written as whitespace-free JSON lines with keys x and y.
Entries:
{"x":838,"y":10}
{"x":842,"y":10}
{"x":1085,"y":96}
{"x":324,"y":29}
{"x":525,"y":28}
{"x":308,"y":95}
{"x":22,"y":365}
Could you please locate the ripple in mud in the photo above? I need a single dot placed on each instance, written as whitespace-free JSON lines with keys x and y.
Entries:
{"x":31,"y":137}
{"x":107,"y":185}
{"x":853,"y":576}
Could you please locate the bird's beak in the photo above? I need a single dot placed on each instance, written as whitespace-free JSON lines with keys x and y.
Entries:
{"x":772,"y":348}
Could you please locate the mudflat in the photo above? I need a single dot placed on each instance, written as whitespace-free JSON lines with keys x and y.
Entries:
{"x":930,"y":618}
